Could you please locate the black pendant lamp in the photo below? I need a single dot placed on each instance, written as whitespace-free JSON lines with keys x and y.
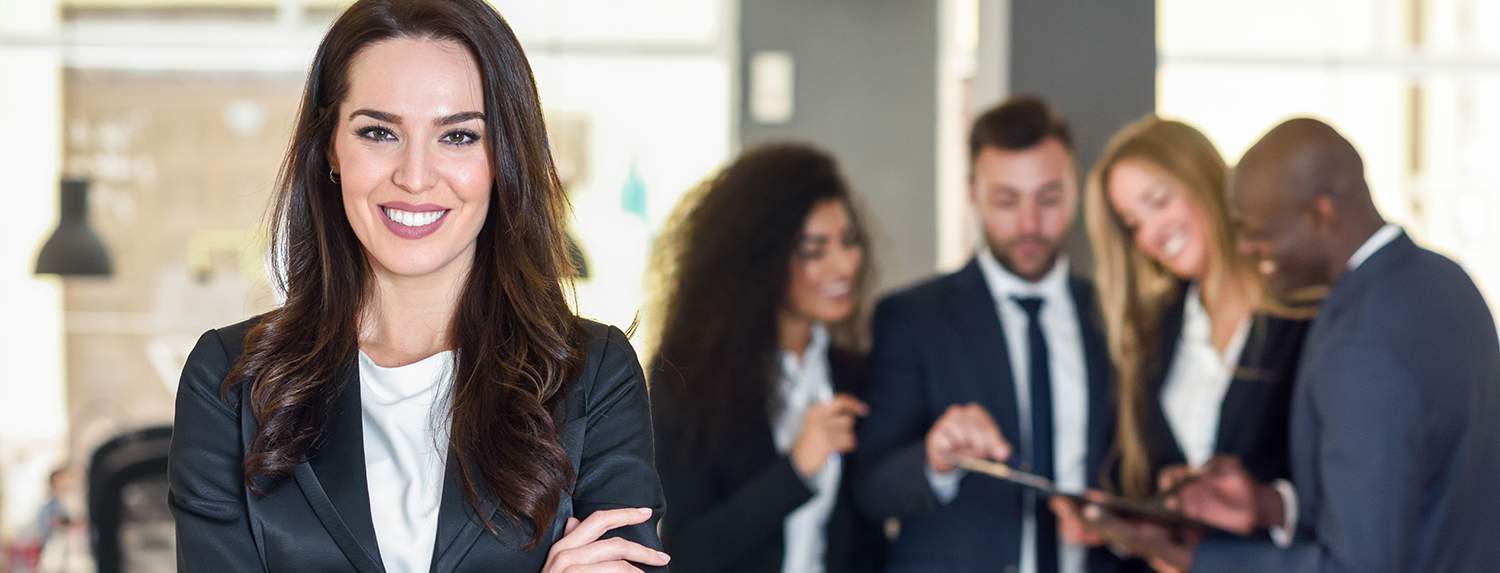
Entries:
{"x":74,"y":249}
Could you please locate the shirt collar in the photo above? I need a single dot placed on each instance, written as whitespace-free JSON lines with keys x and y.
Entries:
{"x":1004,"y":284}
{"x":817,"y":345}
{"x":1380,"y":238}
{"x":1197,"y":327}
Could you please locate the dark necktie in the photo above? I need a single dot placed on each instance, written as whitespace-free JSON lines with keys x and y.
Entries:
{"x":1040,"y":382}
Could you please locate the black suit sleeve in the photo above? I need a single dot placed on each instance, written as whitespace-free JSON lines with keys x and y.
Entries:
{"x":892,"y":478}
{"x":708,"y":530}
{"x":206,"y":488}
{"x":616,"y":469}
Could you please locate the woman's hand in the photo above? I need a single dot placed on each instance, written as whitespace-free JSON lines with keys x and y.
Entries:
{"x":581,"y":551}
{"x":827,"y":428}
{"x":1071,"y":525}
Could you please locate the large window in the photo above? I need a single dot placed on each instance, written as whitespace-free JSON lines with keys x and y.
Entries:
{"x":1414,"y":83}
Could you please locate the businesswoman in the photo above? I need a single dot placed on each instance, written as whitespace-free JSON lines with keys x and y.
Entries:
{"x":1205,"y":362}
{"x":756,"y":367}
{"x":424,"y":400}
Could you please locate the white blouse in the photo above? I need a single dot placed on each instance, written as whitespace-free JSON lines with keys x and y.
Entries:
{"x":1198,"y":379}
{"x":406,"y":449}
{"x":806,"y":380}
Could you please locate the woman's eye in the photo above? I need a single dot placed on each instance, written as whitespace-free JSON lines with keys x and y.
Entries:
{"x":460,"y":137}
{"x":1159,"y":198}
{"x":376,"y":133}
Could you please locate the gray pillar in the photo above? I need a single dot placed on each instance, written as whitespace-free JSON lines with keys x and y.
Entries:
{"x":864,"y":89}
{"x":1095,"y":61}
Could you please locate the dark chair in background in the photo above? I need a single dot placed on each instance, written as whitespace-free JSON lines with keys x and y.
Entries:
{"x":130,"y":526}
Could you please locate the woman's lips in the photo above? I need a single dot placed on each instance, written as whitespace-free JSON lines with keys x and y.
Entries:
{"x":412,"y":221}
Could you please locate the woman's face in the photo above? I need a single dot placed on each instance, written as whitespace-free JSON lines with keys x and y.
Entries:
{"x":1164,"y":223}
{"x":410,"y":150}
{"x":825,"y":265}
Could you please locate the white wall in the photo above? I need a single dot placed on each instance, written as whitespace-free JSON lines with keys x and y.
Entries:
{"x":32,"y":422}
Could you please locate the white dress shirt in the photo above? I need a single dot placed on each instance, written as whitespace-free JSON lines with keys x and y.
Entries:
{"x":1282,"y":536}
{"x":406,"y":449}
{"x":1193,"y":395}
{"x":1070,"y":393}
{"x":805,"y":381}
{"x":1380,"y":238}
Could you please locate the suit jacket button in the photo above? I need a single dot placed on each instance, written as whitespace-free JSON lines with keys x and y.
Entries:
{"x":1011,"y":568}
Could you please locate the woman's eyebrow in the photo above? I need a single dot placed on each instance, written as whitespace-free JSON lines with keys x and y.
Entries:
{"x":377,"y":115}
{"x":460,"y":117}
{"x":387,"y":117}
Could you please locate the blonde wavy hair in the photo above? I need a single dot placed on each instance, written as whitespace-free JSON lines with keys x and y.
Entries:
{"x":1133,"y":290}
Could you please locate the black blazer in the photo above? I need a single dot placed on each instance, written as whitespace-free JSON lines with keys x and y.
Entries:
{"x":729,"y":506}
{"x":1395,"y":437}
{"x":938,"y":344}
{"x":1256,"y":412}
{"x":319,"y":518}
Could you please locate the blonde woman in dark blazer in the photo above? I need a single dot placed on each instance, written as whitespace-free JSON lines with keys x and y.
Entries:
{"x":1205,"y":363}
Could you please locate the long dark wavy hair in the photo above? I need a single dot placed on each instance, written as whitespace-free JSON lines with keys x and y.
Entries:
{"x":518,"y":343}
{"x":722,"y":270}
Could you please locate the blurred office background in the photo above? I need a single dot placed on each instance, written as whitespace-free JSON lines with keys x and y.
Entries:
{"x":176,"y":113}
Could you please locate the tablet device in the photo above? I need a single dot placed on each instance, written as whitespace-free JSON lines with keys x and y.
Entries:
{"x":1146,"y":510}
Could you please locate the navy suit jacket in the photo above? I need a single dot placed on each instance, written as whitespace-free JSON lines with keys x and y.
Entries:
{"x":938,"y":344}
{"x":319,"y":518}
{"x":1395,"y":428}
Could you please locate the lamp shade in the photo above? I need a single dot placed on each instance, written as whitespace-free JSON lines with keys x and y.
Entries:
{"x":74,"y":249}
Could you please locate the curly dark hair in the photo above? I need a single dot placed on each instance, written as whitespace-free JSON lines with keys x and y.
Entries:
{"x":518,"y":343}
{"x":723,"y":267}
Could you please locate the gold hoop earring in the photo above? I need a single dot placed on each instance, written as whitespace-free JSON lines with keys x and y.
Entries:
{"x":334,"y":177}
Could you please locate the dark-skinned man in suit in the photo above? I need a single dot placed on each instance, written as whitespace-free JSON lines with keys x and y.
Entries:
{"x":1395,"y":437}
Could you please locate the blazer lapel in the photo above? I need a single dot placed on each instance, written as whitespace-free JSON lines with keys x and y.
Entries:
{"x":453,"y":515}
{"x":978,"y":321}
{"x":845,"y":370}
{"x":334,"y":479}
{"x":1162,"y":443}
{"x":458,"y":528}
{"x":1170,"y":328}
{"x":1101,"y":417}
{"x":1242,"y":411}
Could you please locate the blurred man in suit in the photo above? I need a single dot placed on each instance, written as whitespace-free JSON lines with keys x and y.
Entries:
{"x":1395,"y":432}
{"x":1002,"y":360}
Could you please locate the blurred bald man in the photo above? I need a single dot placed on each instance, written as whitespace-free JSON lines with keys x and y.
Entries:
{"x":1396,"y":416}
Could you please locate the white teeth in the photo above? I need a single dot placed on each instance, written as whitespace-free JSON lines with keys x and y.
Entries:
{"x":1174,"y":245}
{"x":410,"y":219}
{"x":1266,"y":267}
{"x":836,"y":290}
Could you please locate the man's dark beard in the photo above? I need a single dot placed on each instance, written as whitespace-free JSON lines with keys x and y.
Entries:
{"x":1003,"y":257}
